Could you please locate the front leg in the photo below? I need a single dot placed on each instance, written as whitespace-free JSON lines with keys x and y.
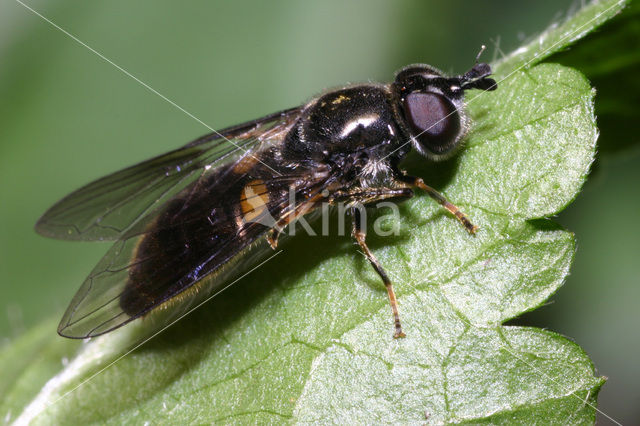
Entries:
{"x":419,"y":183}
{"x":351,"y":197}
{"x":360,"y":236}
{"x":369,"y":195}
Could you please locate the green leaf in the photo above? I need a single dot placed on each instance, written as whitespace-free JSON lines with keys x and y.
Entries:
{"x":307,"y":337}
{"x":562,"y":35}
{"x":610,"y":60}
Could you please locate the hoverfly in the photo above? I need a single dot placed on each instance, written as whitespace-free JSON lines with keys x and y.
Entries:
{"x":183,"y":220}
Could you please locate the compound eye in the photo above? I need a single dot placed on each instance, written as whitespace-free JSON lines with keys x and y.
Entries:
{"x":434,"y":121}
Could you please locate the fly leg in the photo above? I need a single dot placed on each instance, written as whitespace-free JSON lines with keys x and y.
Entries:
{"x":360,"y":235}
{"x":300,"y":210}
{"x":358,"y":195}
{"x":419,"y":183}
{"x":369,"y":195}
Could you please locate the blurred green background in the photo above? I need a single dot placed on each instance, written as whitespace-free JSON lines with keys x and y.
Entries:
{"x":68,"y":117}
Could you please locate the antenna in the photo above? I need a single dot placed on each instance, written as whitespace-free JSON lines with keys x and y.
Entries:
{"x":476,"y":77}
{"x":482,"y":49}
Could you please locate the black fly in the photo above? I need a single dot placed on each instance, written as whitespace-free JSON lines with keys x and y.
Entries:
{"x":183,"y":220}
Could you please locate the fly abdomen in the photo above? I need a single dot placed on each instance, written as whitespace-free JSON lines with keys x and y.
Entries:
{"x":183,"y":245}
{"x":171,"y":241}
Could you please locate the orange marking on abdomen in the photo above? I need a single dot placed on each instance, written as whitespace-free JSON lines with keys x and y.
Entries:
{"x":254,"y":200}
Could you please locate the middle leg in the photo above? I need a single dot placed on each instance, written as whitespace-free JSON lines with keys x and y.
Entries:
{"x":360,"y":235}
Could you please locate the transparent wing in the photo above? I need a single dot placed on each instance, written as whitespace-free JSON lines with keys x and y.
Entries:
{"x":106,"y":208}
{"x":181,"y":263}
